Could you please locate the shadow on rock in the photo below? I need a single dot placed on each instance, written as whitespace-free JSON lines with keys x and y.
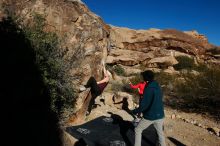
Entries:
{"x":28,"y":119}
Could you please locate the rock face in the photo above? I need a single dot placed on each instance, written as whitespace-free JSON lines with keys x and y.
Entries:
{"x":83,"y":36}
{"x":153,"y":47}
{"x":127,"y":57}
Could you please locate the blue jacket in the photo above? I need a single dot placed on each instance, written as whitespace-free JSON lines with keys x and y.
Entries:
{"x":152,"y":105}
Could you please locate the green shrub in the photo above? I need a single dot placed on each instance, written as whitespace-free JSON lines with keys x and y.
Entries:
{"x":201,"y":67}
{"x":119,"y":70}
{"x":50,"y":63}
{"x":184,"y":63}
{"x":136,"y":79}
{"x":204,"y":85}
{"x":167,"y":81}
{"x":200,"y":92}
{"x":209,"y":82}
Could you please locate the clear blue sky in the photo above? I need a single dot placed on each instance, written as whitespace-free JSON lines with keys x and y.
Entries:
{"x":184,"y":15}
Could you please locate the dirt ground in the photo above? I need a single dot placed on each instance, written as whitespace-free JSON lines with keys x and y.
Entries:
{"x":179,"y":127}
{"x":186,"y":132}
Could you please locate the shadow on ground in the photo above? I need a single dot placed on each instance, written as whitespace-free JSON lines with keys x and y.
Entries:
{"x":26,"y":116}
{"x":104,"y":131}
{"x":176,"y":142}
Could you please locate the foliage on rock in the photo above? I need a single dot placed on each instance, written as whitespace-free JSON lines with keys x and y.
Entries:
{"x":50,"y":61}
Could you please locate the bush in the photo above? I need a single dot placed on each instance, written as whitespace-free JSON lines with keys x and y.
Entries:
{"x":200,"y":92}
{"x":204,"y":85}
{"x":184,"y":63}
{"x":50,"y":63}
{"x":201,"y":67}
{"x":119,"y":70}
{"x":167,"y":81}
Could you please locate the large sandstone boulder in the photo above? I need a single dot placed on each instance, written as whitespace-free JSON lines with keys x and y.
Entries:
{"x":159,"y":42}
{"x":83,"y":37}
{"x":127,"y":57}
{"x":163,"y":61}
{"x":108,"y":98}
{"x":131,"y":70}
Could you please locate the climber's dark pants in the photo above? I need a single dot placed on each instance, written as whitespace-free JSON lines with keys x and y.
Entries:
{"x":95,"y":91}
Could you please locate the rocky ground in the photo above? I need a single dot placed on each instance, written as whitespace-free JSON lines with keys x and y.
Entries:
{"x":190,"y":129}
{"x":180,"y":128}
